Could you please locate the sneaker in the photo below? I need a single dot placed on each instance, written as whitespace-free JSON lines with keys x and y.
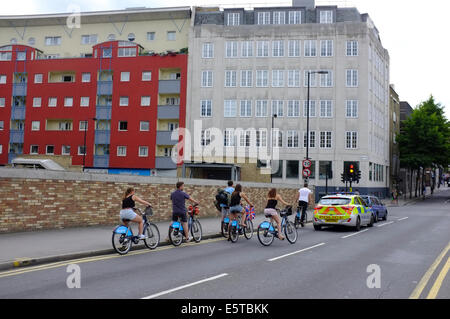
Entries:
{"x":188,"y":240}
{"x":142,"y":236}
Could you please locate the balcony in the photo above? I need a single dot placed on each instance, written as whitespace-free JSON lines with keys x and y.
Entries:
{"x":102,"y":137}
{"x":169,"y":87}
{"x":20,"y":89}
{"x":165,"y":138}
{"x":166,"y":112}
{"x":101,"y":161}
{"x":18,"y":113}
{"x":162,"y":162}
{"x":103,"y":112}
{"x":16,"y":137}
{"x":104,"y":87}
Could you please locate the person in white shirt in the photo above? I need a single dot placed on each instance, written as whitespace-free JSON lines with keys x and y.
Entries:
{"x":304,"y":197}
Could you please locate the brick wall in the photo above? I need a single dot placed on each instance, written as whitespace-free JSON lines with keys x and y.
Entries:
{"x":44,"y":202}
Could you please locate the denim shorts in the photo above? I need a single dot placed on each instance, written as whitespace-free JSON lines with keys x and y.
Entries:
{"x":225,"y":211}
{"x":236,"y":209}
{"x":127,"y":213}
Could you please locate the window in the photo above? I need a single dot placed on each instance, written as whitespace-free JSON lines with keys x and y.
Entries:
{"x":131,"y":37}
{"x":34,"y":149}
{"x":143,"y":151}
{"x":292,"y":139}
{"x":246,"y":108}
{"x":294,"y":78}
{"x":244,"y":138}
{"x":325,"y":140}
{"x":295,"y":17}
{"x":107,"y":52}
{"x":352,"y":78}
{"x":52,"y":101}
{"x":89,"y":39}
{"x":326,"y":48}
{"x":146,"y":76}
{"x":52,"y":41}
{"x":121,"y":151}
{"x":84,"y":101}
{"x":278,"y":108}
{"x":261,"y":108}
{"x":37,"y":101}
{"x":150,"y":36}
{"x":205,"y":108}
{"x":2,"y":79}
{"x":230,"y":78}
{"x":351,"y":140}
{"x":293,"y":108}
{"x":123,"y":126}
{"x":352,"y":48}
{"x":125,"y":76}
{"x":262,"y":48}
{"x":6,"y":56}
{"x":312,"y":109}
{"x":65,"y":126}
{"x":292,"y":169}
{"x":231,"y":49}
{"x":278,"y":48}
{"x":31,"y":41}
{"x":246,"y":78}
{"x":262,"y":78}
{"x":294,"y":48}
{"x":2,"y":102}
{"x":277,"y":78}
{"x":145,"y":100}
{"x":38,"y":78}
{"x":111,"y":37}
{"x":326,"y":80}
{"x":279,"y":17}
{"x":312,"y":139}
{"x":310,"y":48}
{"x":208,"y":50}
{"x":229,"y":138}
{"x":247,"y":49}
{"x":233,"y":18}
{"x":21,"y":56}
{"x":2,"y":125}
{"x":263,"y":18}
{"x":205,"y":138}
{"x":326,"y":16}
{"x":351,"y":108}
{"x":326,"y":108}
{"x":171,"y":35}
{"x":277,"y":138}
{"x":230,"y":108}
{"x":144,"y":126}
{"x":50,"y":149}
{"x":83,"y":126}
{"x":35,"y":125}
{"x":81,"y":150}
{"x":261,"y":138}
{"x":126,"y":52}
{"x":325,"y":168}
{"x":123,"y":101}
{"x":207,"y":78}
{"x":68,"y":101}
{"x":85,"y":77}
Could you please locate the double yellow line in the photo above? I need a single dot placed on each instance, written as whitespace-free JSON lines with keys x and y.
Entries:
{"x":432,"y":294}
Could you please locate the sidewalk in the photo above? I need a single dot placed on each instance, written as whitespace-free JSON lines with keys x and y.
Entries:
{"x":405,"y":200}
{"x":31,"y":248}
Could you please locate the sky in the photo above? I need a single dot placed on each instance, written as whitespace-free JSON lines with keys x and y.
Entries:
{"x":413,"y":31}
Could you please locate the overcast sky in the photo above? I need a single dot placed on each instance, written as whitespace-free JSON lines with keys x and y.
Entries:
{"x":415,"y":32}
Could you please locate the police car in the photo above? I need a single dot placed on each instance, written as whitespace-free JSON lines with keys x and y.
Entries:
{"x":342,"y":210}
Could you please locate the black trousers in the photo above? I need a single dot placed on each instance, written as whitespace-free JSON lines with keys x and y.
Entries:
{"x":303,"y":206}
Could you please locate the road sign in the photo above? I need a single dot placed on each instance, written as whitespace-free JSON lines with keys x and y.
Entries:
{"x":307,"y":164}
{"x":306,"y":172}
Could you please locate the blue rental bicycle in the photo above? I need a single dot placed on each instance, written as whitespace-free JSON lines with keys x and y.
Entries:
{"x":176,"y":231}
{"x":236,"y":229}
{"x":297,"y":220}
{"x":267,"y":231}
{"x":123,"y":238}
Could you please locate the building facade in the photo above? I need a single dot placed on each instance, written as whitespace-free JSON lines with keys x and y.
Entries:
{"x":394,"y":131}
{"x":252,"y":64}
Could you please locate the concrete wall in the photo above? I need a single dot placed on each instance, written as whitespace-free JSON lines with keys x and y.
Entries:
{"x":36,"y":199}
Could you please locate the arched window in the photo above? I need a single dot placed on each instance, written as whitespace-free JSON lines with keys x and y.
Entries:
{"x":32,"y":41}
{"x":111,"y":37}
{"x":131,"y":37}
{"x":13,"y":41}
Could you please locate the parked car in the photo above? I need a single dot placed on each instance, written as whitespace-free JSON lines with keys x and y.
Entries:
{"x":379,"y":211}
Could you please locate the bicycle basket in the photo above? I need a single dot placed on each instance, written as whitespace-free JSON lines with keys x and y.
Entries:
{"x":148,"y":211}
{"x":193,"y":210}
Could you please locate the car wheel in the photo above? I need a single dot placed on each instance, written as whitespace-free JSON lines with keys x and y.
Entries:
{"x":358,"y":224}
{"x":372,"y":221}
{"x":385,"y":216}
{"x":376,"y":218}
{"x":317,"y":227}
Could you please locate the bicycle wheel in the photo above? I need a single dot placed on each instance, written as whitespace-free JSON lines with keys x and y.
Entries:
{"x":234,"y":234}
{"x":265,"y":237}
{"x":224,"y":229}
{"x":175,"y":236}
{"x":290,"y":232}
{"x":152,"y":234}
{"x":196,"y":231}
{"x":248,"y":231}
{"x":121,"y":243}
{"x":297,"y":222}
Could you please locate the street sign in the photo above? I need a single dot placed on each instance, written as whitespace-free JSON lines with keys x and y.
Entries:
{"x":306,"y":172}
{"x":307,"y":164}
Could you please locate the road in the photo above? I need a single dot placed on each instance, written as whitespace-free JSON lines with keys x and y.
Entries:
{"x":410,"y":250}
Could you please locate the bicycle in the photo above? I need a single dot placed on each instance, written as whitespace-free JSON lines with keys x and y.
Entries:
{"x":298,"y":218}
{"x":236,"y":230}
{"x":123,"y":238}
{"x":225,"y":224}
{"x":176,"y":230}
{"x":267,"y":230}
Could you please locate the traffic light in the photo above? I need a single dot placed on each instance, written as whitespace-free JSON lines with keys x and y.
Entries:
{"x":343,"y":178}
{"x":351,"y":171}
{"x":358,"y":176}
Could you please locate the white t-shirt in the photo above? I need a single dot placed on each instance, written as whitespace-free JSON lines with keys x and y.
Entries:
{"x":304,"y":194}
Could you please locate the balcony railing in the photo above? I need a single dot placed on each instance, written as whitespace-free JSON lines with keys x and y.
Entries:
{"x":168,"y":112}
{"x":18,"y":113}
{"x":103,"y":112}
{"x":102,"y":137}
{"x":101,"y":161}
{"x":162,"y":162}
{"x":165,"y":138}
{"x":19,"y":89}
{"x":16,"y":136}
{"x":104,"y":87}
{"x":169,"y":86}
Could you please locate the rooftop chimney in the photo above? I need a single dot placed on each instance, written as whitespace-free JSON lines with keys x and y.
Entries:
{"x":310,"y":4}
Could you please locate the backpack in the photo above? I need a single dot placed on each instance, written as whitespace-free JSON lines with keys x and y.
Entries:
{"x":223,"y":197}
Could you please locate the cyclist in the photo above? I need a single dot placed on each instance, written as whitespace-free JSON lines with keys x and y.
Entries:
{"x":304,"y":198}
{"x":270,"y":210}
{"x":178,"y":198}
{"x":235,"y":205}
{"x":128,"y":204}
{"x":224,"y":208}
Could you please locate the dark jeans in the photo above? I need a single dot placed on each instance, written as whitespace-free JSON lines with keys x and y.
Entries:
{"x":303,"y":206}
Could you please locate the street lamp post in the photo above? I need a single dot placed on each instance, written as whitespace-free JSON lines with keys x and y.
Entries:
{"x":84,"y":146}
{"x":274,"y":116}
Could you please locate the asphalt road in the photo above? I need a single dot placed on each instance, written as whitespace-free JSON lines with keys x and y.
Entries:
{"x":410,"y":250}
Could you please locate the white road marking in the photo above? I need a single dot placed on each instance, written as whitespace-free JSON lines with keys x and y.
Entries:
{"x":362,"y":231}
{"x":185,"y":286}
{"x":385,"y":224}
{"x":402,"y":218}
{"x":296,"y":252}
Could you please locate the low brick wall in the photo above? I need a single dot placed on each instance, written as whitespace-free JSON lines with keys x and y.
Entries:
{"x":35,"y":200}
